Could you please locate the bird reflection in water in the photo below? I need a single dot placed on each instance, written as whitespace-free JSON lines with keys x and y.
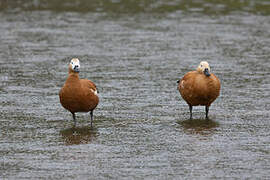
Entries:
{"x":79,"y":135}
{"x":199,"y":126}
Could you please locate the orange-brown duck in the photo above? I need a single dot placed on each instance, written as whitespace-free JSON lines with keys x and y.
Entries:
{"x":199,"y":88}
{"x":78,"y":95}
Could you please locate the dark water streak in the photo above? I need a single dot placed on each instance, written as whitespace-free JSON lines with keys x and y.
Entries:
{"x":213,"y":7}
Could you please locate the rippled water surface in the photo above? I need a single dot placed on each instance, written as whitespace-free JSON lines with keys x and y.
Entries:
{"x":134,"y":51}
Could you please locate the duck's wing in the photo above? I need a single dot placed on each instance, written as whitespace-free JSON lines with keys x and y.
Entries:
{"x":89,"y":85}
{"x":187,"y":81}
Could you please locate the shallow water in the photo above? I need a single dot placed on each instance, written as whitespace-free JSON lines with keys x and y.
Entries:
{"x":134,"y":52}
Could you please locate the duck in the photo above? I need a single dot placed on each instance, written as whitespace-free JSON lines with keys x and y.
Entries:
{"x":199,"y":87}
{"x":78,"y":95}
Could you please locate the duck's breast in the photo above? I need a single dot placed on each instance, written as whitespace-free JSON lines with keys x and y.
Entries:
{"x":70,"y":96}
{"x":213,"y":87}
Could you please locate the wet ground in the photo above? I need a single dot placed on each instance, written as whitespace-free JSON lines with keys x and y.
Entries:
{"x":135,"y":53}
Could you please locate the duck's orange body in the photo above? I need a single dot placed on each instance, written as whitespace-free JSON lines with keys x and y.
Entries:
{"x":199,"y":89}
{"x":78,"y":95}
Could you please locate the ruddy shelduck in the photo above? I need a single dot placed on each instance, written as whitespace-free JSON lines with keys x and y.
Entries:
{"x":199,"y":88}
{"x":78,"y":95}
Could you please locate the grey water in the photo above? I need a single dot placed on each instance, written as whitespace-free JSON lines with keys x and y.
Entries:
{"x":134,"y":51}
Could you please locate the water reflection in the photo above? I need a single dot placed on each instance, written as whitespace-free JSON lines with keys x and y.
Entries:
{"x":199,"y":126}
{"x":79,"y":135}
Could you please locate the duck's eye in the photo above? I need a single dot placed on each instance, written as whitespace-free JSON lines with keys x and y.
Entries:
{"x":201,"y":65}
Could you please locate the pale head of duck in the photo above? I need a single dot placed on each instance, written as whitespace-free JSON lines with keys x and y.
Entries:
{"x":204,"y":68}
{"x":74,"y":65}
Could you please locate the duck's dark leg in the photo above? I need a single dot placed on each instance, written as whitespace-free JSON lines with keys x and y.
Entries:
{"x":91,"y":115}
{"x":74,"y":119}
{"x":190,"y":110}
{"x":206,"y":112}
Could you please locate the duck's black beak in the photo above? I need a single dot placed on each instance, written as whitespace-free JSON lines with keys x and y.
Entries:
{"x":76,"y":68}
{"x":206,"y":72}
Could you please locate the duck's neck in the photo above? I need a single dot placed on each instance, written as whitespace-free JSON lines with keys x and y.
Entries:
{"x":199,"y":71}
{"x":73,"y":77}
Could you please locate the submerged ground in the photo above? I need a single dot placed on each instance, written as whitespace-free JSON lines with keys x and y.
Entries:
{"x":134,"y":51}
